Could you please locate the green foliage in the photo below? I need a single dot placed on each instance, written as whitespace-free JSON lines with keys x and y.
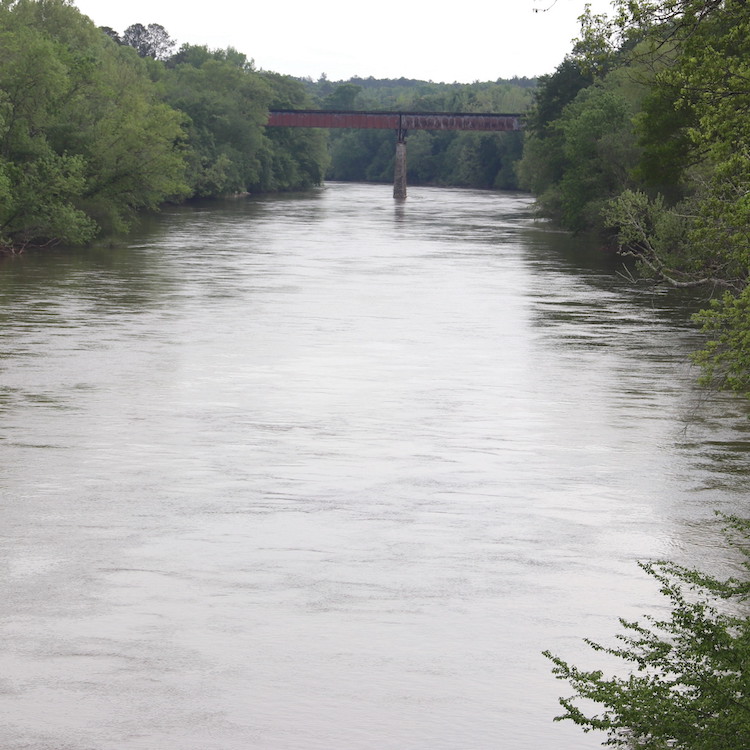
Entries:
{"x":225,"y":103}
{"x":133,"y":152}
{"x":362,"y":155}
{"x":94,"y":127}
{"x":543,"y":163}
{"x":37,"y":206}
{"x":663,"y":132}
{"x":722,"y":230}
{"x":600,"y":151}
{"x":688,"y":687}
{"x":148,"y":41}
{"x":228,"y":149}
{"x":584,"y":158}
{"x":595,"y":51}
{"x":295,"y":158}
{"x":343,"y":97}
{"x":484,"y":160}
{"x":702,"y":242}
{"x":654,"y":234}
{"x":657,"y":147}
{"x":553,"y":94}
{"x":84,"y":140}
{"x":725,"y":358}
{"x":690,"y":244}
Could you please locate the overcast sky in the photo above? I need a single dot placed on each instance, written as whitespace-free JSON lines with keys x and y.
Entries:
{"x":438,"y":41}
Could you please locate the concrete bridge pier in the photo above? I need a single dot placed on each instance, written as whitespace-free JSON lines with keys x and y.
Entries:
{"x":399,"y":168}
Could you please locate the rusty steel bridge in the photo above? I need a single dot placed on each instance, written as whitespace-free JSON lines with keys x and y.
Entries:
{"x":401,"y":122}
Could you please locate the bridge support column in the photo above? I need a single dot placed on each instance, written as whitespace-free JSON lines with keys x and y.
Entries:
{"x":399,"y":169}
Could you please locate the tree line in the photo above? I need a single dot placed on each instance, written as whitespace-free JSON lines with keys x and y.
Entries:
{"x":639,"y":133}
{"x":94,"y":127}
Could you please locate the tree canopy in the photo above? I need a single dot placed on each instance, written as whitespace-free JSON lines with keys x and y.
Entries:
{"x":96,"y":126}
{"x":148,"y":41}
{"x":75,"y":156}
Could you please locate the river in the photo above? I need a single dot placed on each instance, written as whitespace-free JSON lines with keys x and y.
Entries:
{"x":323,"y":471}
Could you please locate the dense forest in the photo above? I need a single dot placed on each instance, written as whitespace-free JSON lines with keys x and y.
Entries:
{"x":94,"y":127}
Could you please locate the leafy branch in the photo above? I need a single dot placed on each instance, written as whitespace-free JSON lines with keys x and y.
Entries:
{"x":688,"y":684}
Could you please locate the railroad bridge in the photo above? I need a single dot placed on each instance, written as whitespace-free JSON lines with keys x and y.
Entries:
{"x":401,"y":122}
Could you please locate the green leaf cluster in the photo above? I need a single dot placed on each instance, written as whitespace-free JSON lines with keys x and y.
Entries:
{"x":725,"y":358}
{"x":581,"y":146}
{"x":687,"y":682}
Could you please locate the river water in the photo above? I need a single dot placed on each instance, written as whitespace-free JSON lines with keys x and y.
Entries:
{"x":324,"y":471}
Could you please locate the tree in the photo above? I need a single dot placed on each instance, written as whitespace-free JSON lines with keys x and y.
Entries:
{"x":112,"y":34}
{"x":482,"y":160}
{"x":663,"y":132}
{"x":342,"y":97}
{"x":585,"y":156}
{"x":225,"y":104}
{"x":543,"y":163}
{"x":84,"y":141}
{"x":359,"y":155}
{"x":293,"y":158}
{"x":38,"y":209}
{"x":725,"y":358}
{"x":435,"y":157}
{"x":149,"y":41}
{"x":554,"y":93}
{"x":689,"y":688}
{"x":133,"y":148}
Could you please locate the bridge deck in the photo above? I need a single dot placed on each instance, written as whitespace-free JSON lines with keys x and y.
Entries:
{"x":320,"y":118}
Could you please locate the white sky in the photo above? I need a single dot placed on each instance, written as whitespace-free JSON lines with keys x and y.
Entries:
{"x":473,"y":40}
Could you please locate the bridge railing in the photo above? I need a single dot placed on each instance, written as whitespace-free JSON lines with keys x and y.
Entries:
{"x":321,"y":118}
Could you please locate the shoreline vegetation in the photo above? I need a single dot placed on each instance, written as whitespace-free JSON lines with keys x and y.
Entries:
{"x":639,"y":135}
